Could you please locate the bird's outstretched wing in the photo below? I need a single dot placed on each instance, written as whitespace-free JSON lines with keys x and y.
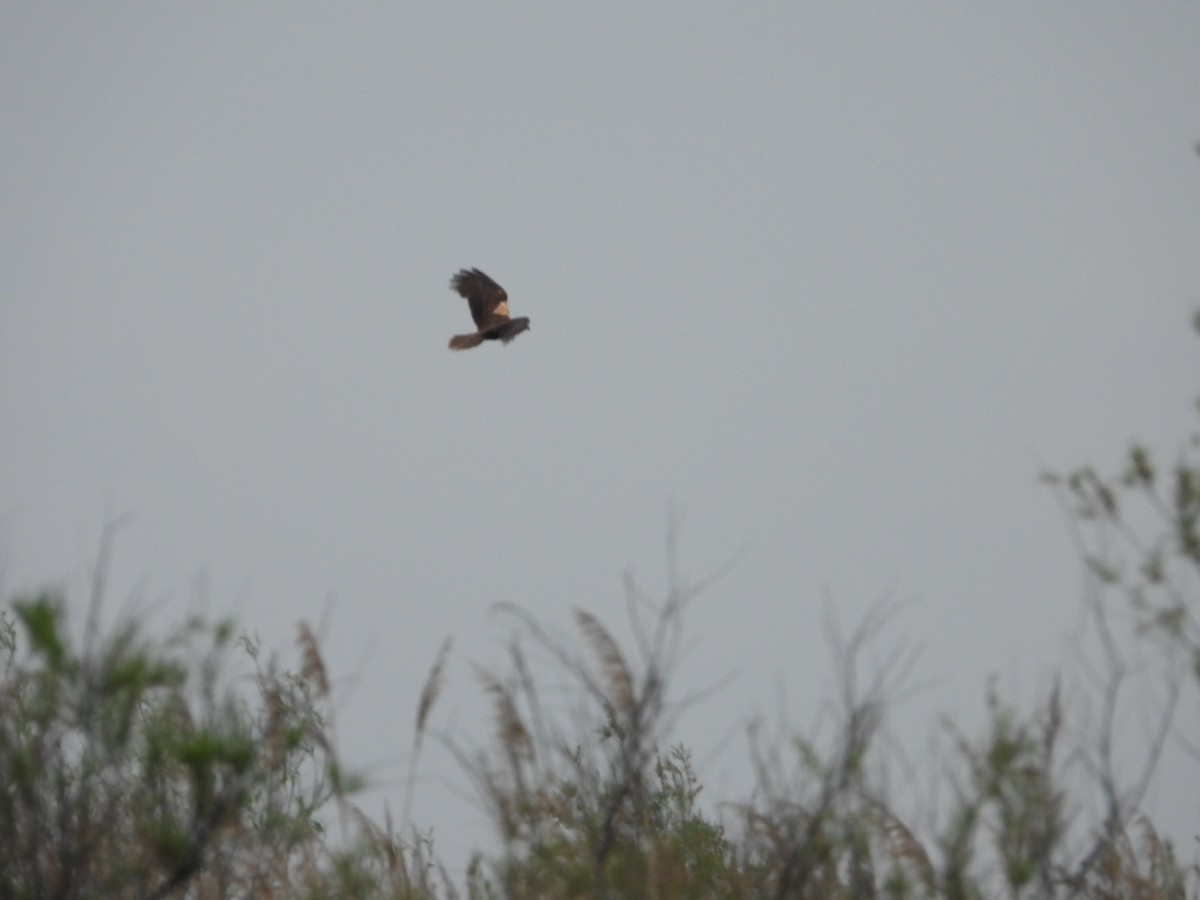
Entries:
{"x":488,"y":301}
{"x":505,"y":331}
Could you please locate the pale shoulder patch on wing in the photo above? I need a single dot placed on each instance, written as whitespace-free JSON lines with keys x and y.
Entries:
{"x":501,"y":308}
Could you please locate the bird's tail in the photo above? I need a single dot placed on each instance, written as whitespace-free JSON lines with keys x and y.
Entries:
{"x":466,"y":341}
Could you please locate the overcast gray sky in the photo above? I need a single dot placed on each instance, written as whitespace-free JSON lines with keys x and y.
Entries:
{"x":836,"y":279}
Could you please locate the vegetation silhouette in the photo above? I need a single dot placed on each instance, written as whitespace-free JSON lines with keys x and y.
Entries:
{"x":138,"y":767}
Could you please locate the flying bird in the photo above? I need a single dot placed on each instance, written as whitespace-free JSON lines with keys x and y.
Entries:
{"x":489,"y":309}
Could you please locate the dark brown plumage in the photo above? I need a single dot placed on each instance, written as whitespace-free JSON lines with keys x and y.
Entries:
{"x":489,"y":309}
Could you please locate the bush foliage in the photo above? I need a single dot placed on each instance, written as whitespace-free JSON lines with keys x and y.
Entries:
{"x":138,"y":767}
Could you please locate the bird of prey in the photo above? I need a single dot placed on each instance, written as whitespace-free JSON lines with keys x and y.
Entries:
{"x":489,"y":309}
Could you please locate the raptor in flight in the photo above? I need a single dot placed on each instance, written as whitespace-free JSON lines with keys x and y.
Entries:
{"x":489,"y":309}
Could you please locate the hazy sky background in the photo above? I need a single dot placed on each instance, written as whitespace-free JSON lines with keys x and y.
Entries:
{"x":838,"y":280}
